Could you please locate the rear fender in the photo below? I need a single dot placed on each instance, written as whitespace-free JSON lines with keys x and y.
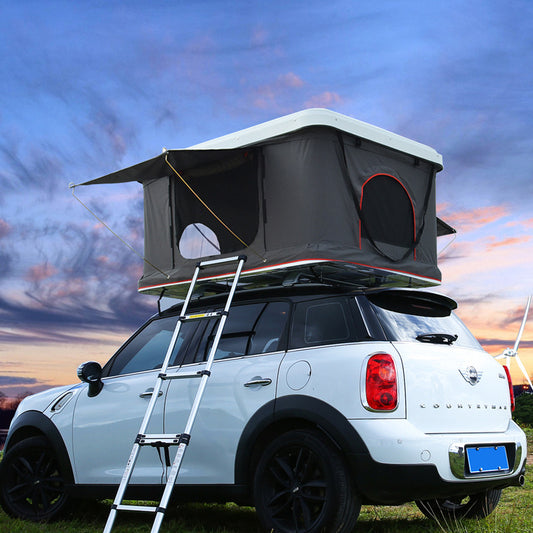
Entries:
{"x":286,"y":413}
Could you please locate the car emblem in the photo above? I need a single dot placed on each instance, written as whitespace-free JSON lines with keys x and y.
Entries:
{"x":471,"y":375}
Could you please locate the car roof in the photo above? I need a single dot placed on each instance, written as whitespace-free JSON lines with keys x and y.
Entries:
{"x":306,"y":291}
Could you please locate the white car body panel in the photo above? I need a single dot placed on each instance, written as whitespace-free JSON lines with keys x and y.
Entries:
{"x":335,"y":376}
{"x":41,"y":401}
{"x":226,"y":407}
{"x":104,"y":429}
{"x":441,"y":400}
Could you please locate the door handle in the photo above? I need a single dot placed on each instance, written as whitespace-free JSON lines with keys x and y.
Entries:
{"x":258,"y":381}
{"x":149,"y":392}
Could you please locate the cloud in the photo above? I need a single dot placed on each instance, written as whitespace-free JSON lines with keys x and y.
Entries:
{"x":5,"y":228}
{"x":16,"y":380}
{"x":259,"y":36}
{"x":6,"y":263}
{"x":33,"y":335}
{"x":514,"y":317}
{"x":504,"y":343}
{"x":85,"y":281}
{"x":525,"y":224}
{"x":290,"y":80}
{"x":471,"y":219}
{"x":325,"y":99}
{"x":271,"y":96}
{"x":510,"y":241}
{"x":40,"y":272}
{"x":41,"y":319}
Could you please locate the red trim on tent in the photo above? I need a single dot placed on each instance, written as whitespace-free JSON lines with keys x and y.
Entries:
{"x":294,"y":263}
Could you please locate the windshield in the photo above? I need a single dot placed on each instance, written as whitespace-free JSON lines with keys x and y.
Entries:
{"x":401,"y":325}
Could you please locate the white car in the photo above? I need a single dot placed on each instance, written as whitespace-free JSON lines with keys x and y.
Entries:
{"x":321,"y":399}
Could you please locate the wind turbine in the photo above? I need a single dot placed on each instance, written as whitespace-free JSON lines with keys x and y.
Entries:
{"x":513,"y":352}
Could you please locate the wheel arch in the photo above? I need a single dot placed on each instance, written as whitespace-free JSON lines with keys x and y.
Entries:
{"x":291,"y":412}
{"x":33,"y":424}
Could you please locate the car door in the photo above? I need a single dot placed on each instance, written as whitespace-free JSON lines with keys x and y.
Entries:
{"x":105,"y":426}
{"x":243,"y":379}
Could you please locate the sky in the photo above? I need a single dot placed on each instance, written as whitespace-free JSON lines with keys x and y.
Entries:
{"x":87,"y":88}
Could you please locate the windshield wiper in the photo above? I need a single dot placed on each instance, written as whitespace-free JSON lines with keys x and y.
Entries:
{"x":437,"y":338}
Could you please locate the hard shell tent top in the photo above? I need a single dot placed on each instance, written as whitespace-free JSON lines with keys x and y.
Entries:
{"x":314,"y":194}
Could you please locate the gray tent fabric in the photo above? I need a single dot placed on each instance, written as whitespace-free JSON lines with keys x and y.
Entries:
{"x":315,"y":197}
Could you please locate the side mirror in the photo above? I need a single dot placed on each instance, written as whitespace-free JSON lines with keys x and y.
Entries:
{"x":91,"y":373}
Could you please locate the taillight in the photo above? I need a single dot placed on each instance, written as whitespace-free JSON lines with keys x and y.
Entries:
{"x":511,"y":391}
{"x":381,"y":384}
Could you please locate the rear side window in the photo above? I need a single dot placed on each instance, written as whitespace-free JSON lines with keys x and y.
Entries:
{"x":250,"y":329}
{"x":325,"y":321}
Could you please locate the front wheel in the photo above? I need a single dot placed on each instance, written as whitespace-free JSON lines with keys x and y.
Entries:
{"x":32,"y":486}
{"x":301,"y":485}
{"x":475,"y":506}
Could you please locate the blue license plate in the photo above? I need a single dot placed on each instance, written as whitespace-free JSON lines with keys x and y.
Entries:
{"x":487,"y":459}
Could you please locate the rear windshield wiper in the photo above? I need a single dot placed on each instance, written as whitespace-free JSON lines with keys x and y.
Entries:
{"x":437,"y":338}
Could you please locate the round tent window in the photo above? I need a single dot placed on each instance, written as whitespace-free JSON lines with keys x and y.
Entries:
{"x":197,"y":240}
{"x":388,"y":216}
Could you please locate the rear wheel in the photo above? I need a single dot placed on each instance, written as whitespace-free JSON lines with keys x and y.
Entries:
{"x":474,"y":506}
{"x":32,"y":486}
{"x":301,"y":484}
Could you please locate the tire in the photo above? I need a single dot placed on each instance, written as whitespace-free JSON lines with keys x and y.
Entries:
{"x":475,"y":506}
{"x":32,"y":486}
{"x":301,"y":484}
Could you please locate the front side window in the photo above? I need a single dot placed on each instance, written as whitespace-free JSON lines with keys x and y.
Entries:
{"x":147,"y":349}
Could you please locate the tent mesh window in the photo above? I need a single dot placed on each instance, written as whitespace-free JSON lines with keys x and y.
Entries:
{"x":387,"y":215}
{"x":230,"y":190}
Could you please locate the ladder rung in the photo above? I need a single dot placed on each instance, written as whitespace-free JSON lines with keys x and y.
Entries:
{"x":184,"y":375}
{"x":154,"y":439}
{"x":138,"y":508}
{"x":233,"y":259}
{"x":199,"y":316}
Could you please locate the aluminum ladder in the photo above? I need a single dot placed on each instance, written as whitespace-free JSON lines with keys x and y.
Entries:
{"x":180,"y":440}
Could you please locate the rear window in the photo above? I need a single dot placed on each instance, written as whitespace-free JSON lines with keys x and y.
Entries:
{"x":406,"y":316}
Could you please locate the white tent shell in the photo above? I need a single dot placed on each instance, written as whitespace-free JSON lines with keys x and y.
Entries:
{"x":313,"y":192}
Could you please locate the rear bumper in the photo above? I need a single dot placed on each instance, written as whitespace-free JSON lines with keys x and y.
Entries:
{"x":386,"y":484}
{"x":404,"y":464}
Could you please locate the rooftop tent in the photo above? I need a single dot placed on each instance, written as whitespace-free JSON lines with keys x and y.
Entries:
{"x":314,"y":193}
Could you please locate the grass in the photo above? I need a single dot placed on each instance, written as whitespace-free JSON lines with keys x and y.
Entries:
{"x":512,"y":514}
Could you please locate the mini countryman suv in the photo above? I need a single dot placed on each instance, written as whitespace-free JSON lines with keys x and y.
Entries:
{"x":320,"y":400}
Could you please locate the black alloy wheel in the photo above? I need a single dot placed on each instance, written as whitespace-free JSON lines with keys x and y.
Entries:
{"x":301,"y":485}
{"x":32,"y":486}
{"x":478,"y":505}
